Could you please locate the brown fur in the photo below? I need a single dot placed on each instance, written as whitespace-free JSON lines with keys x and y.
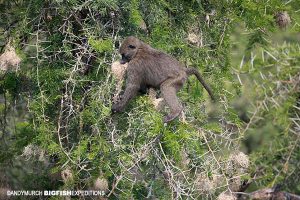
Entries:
{"x":148,"y":67}
{"x":118,"y":70}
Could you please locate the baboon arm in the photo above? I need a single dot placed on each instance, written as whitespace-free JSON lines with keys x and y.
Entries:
{"x":131,"y":91}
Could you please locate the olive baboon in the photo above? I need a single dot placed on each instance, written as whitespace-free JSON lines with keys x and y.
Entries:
{"x":148,"y":67}
{"x":118,"y":71}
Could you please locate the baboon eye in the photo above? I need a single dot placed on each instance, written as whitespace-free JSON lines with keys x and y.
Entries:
{"x":131,"y":46}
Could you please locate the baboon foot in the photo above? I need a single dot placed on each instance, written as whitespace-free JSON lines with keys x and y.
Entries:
{"x":172,"y":116}
{"x":117,"y":108}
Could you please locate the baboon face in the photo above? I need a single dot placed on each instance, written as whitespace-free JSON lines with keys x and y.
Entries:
{"x":129,"y":49}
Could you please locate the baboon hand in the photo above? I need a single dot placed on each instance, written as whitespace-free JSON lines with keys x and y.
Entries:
{"x":117,"y":107}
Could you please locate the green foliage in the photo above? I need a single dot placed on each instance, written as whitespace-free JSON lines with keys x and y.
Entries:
{"x":10,"y":83}
{"x":24,"y":134}
{"x":135,"y":17}
{"x":69,"y":48}
{"x":101,"y":46}
{"x":271,"y":140}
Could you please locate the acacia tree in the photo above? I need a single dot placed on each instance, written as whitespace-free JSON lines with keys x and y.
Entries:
{"x":56,"y":107}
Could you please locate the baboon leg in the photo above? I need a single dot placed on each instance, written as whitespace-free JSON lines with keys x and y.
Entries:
{"x":131,"y":91}
{"x":169,"y":89}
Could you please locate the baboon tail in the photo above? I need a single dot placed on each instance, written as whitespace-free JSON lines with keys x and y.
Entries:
{"x":194,"y":71}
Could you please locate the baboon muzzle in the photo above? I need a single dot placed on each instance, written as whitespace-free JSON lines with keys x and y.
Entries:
{"x":124,"y":59}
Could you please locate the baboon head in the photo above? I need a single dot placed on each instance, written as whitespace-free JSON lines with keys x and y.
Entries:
{"x":129,"y":49}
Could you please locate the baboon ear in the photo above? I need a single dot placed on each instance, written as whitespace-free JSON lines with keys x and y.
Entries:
{"x":131,"y":46}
